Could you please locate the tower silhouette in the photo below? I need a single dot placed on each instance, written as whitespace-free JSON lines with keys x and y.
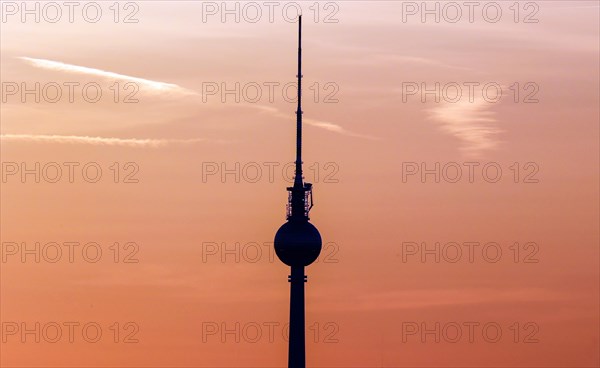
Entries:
{"x":298,"y":242}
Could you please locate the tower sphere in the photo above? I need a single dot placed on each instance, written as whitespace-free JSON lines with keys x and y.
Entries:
{"x":298,"y":243}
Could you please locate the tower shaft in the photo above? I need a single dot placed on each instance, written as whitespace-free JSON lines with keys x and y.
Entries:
{"x":297,"y":348}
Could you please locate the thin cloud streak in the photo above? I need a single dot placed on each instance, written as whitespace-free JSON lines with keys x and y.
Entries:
{"x":435,"y":298}
{"x":97,"y":141}
{"x":69,"y":68}
{"x":332,"y":127}
{"x":394,"y":59}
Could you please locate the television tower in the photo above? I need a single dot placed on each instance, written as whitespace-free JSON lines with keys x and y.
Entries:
{"x":298,"y":242}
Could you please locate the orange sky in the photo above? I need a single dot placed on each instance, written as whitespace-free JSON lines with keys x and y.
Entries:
{"x":184,"y":294}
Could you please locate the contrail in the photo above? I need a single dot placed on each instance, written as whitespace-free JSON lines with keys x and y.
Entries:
{"x":332,"y":127}
{"x":97,"y":141}
{"x":150,"y":84}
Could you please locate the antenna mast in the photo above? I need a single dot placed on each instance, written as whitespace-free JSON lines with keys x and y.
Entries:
{"x":300,"y":195}
{"x":298,"y":177}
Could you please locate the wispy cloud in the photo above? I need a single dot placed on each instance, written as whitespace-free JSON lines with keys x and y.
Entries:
{"x":159,"y":87}
{"x":149,"y":85}
{"x":97,"y":141}
{"x":470,"y":121}
{"x":336,"y":128}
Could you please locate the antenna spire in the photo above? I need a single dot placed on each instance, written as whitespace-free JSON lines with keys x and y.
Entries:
{"x":300,"y":194}
{"x":298,"y":177}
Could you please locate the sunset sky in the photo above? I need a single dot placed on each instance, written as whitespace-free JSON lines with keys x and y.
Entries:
{"x":166,"y":172}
